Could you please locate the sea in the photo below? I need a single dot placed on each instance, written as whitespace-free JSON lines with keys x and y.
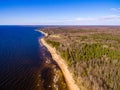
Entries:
{"x":21,"y":58}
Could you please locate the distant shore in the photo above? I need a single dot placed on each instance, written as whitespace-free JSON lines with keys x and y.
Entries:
{"x":46,"y":34}
{"x":68,"y":76}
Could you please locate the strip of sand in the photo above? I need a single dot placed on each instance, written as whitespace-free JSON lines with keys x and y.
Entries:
{"x":68,"y":77}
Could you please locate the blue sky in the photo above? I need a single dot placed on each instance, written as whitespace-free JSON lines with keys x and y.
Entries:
{"x":59,"y":12}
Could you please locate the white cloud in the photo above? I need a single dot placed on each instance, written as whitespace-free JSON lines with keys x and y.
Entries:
{"x":103,"y":20}
{"x":85,"y":19}
{"x":111,"y":17}
{"x":115,"y":9}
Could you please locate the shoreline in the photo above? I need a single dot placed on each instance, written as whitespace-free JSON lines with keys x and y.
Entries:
{"x":46,"y":34}
{"x":61,"y":63}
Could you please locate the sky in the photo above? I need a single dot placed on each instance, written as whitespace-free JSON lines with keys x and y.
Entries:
{"x":59,"y":12}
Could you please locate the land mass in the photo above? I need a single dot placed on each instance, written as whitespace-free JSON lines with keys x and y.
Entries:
{"x":68,"y":77}
{"x":88,"y":56}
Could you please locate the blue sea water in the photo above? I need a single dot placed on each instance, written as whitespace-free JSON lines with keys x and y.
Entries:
{"x":19,"y":57}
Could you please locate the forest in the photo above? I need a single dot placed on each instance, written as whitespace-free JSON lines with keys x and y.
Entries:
{"x":91,"y":52}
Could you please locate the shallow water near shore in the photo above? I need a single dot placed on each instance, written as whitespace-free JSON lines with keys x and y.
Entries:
{"x":24,"y":63}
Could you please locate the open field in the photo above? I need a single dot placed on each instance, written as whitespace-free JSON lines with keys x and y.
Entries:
{"x":91,"y":53}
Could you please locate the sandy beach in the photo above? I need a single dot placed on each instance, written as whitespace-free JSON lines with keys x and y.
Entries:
{"x":68,"y":76}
